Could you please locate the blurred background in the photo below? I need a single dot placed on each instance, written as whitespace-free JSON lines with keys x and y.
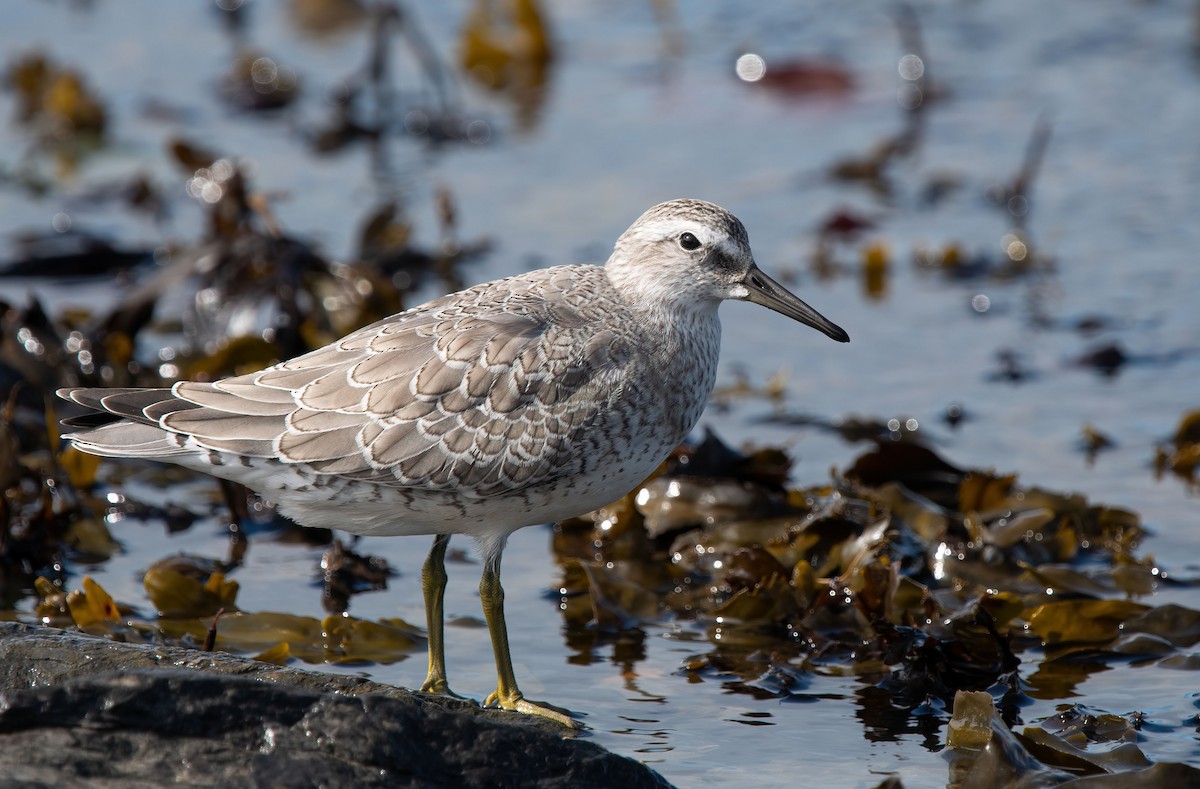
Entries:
{"x":999,"y":201}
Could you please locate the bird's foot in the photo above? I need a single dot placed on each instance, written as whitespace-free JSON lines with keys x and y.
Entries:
{"x":518,"y":703}
{"x":439,"y":686}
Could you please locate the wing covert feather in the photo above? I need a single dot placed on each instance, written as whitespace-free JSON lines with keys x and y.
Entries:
{"x":479,"y":397}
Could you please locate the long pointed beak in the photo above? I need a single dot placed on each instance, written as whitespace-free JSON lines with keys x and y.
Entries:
{"x":769,"y":293}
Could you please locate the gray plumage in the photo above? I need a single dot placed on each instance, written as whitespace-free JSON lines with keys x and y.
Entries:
{"x":515,"y":402}
{"x":562,"y":387}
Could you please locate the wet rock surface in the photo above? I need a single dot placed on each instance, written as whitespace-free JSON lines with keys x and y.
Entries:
{"x":74,"y":707}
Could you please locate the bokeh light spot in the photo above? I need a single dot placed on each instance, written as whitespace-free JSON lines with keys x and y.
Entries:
{"x":911,"y":68}
{"x":1015,"y":248}
{"x":478,"y":132}
{"x":264,"y":71}
{"x":750,"y":67}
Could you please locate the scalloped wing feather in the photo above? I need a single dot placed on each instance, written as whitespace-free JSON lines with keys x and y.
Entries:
{"x":467,"y":397}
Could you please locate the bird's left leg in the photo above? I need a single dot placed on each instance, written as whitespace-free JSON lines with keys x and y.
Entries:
{"x":508,"y":695}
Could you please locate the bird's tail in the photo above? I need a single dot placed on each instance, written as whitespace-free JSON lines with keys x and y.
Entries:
{"x":125,"y":425}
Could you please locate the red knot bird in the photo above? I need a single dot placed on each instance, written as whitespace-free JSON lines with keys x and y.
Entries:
{"x":521,"y":401}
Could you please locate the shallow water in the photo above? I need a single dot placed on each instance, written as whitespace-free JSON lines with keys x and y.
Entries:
{"x":626,"y":124}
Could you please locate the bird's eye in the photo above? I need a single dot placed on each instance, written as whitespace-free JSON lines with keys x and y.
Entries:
{"x":689,"y":242}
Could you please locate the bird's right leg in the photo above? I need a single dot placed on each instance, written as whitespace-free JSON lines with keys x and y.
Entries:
{"x":433,"y":586}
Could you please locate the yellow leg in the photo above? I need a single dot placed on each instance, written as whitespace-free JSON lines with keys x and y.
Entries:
{"x":433,"y":586}
{"x":508,"y":695}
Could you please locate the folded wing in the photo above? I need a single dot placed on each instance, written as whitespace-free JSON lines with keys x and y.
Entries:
{"x":483,"y":404}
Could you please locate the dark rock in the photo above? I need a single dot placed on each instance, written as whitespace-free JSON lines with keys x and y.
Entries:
{"x":76,"y":708}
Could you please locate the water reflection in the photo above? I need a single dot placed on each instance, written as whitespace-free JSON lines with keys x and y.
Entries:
{"x":872,"y":580}
{"x":884,"y":721}
{"x":505,"y":48}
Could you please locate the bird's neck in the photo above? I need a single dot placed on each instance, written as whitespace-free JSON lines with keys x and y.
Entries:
{"x":686,"y":345}
{"x":681,"y":337}
{"x":677,"y":324}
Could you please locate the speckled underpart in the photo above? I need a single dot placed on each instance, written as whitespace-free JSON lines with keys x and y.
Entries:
{"x":515,"y":402}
